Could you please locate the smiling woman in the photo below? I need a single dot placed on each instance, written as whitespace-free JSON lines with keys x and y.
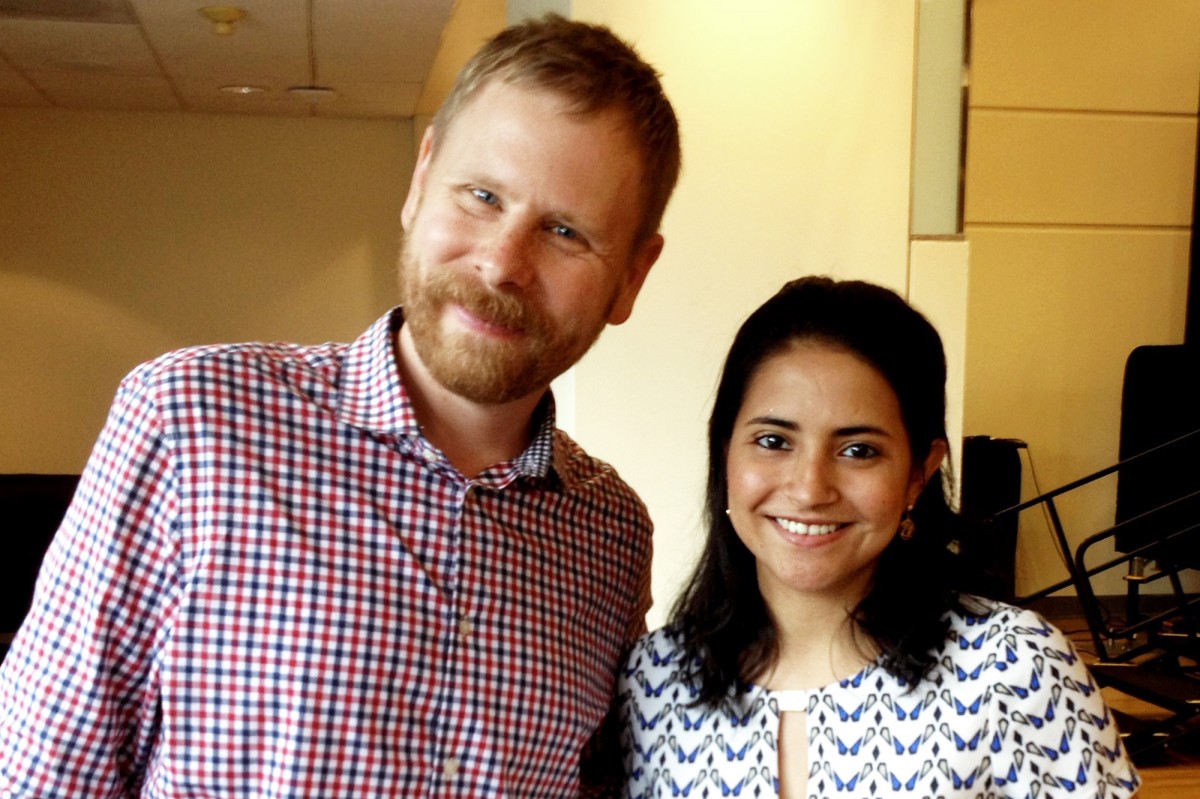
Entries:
{"x":821,"y":645}
{"x":819,"y":474}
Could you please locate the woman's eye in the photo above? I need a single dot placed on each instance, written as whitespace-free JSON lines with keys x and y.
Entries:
{"x":485,"y":196}
{"x":859,"y":450}
{"x":771,"y":441}
{"x":564,"y":231}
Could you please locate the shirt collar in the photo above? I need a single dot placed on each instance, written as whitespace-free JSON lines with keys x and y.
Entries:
{"x":373,"y":398}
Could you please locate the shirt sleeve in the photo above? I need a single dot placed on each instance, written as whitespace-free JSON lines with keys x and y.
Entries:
{"x":637,"y":619}
{"x":1053,"y":735}
{"x":79,"y":687}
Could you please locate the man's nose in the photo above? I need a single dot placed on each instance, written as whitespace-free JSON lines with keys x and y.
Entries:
{"x":505,"y":259}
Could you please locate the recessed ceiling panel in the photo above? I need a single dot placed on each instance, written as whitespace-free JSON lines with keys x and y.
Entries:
{"x":88,"y":47}
{"x":116,"y":92}
{"x":371,"y":100}
{"x":271,"y":40}
{"x":106,"y":11}
{"x":374,"y":40}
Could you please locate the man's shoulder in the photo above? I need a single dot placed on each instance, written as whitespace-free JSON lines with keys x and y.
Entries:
{"x":595,"y":488}
{"x":578,"y":466}
{"x":234,"y":364}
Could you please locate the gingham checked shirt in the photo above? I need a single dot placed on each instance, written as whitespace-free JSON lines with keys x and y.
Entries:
{"x":271,"y":585}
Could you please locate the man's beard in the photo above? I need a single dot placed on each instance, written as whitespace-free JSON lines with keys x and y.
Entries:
{"x":477,"y":368}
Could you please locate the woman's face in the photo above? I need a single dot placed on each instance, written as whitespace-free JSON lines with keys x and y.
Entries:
{"x":819,"y":471}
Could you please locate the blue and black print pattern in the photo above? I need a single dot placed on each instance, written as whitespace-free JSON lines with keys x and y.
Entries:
{"x":1009,"y":711}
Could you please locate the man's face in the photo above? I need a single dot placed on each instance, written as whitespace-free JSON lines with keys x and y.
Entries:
{"x":519,"y":242}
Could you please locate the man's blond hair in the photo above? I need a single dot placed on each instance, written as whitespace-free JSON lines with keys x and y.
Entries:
{"x":594,"y":71}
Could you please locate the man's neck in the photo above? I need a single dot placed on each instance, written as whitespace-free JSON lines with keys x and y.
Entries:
{"x":472,"y":435}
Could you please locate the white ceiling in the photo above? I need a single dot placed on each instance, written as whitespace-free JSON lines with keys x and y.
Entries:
{"x":162,"y":55}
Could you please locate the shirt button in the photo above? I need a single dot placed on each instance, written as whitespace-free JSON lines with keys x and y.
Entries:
{"x":450,"y":767}
{"x":465,"y":628}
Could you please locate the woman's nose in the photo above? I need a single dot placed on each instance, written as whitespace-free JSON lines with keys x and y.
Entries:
{"x":811,"y":482}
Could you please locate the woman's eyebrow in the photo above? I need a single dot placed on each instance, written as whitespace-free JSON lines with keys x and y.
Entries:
{"x":774,"y":421}
{"x":865,"y":429}
{"x":787,"y":424}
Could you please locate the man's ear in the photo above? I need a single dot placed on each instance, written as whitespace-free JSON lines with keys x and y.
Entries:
{"x":635,"y":275}
{"x":420,"y":174}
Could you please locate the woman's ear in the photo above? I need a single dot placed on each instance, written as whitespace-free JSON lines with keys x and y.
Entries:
{"x":922,"y":473}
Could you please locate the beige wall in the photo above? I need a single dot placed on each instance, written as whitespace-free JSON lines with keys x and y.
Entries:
{"x":124,"y":235}
{"x":797,"y":122}
{"x":1080,"y":159}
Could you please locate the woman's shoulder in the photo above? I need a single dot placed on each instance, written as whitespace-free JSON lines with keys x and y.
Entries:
{"x":979,"y":618}
{"x":999,"y":632}
{"x":657,"y":652}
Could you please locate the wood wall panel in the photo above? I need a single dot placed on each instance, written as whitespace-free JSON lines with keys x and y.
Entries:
{"x":1114,"y":55}
{"x":1083,"y":169}
{"x":1053,"y":313}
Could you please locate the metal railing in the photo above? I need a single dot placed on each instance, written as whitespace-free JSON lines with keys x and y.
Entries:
{"x":1080,"y":574}
{"x":1152,"y":656}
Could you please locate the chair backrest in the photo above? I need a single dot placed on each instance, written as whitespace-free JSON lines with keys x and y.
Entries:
{"x":1160,"y":403}
{"x":31,"y":508}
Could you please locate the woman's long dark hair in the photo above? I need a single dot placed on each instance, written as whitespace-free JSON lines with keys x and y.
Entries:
{"x":720,"y":616}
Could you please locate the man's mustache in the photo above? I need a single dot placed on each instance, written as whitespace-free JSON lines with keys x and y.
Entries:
{"x":496,"y":308}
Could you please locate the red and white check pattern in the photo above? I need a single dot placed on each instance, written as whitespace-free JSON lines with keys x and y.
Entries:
{"x":270,"y":585}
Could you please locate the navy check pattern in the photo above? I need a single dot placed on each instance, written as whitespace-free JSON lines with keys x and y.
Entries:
{"x":1008,"y":712}
{"x":271,"y":585}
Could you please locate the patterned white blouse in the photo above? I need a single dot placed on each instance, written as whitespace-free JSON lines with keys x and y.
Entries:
{"x":1008,"y":711}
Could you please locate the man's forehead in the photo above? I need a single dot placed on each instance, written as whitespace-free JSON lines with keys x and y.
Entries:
{"x":560,"y":101}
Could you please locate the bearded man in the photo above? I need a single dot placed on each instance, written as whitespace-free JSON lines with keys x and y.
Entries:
{"x":376,"y":568}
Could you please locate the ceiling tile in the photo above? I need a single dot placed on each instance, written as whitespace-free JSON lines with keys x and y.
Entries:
{"x":119,"y":92}
{"x":108,"y":11}
{"x":271,"y":42}
{"x":371,"y":39}
{"x":83,"y":46}
{"x":200,"y":97}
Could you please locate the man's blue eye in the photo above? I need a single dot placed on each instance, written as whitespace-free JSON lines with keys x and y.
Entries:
{"x":564,"y":231}
{"x":484,"y":195}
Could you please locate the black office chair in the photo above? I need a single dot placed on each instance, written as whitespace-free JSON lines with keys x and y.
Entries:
{"x":31,"y":508}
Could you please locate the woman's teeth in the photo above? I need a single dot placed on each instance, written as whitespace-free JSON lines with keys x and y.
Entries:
{"x":799,"y":528}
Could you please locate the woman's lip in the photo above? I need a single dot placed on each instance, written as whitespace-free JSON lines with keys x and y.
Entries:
{"x":807,"y":529}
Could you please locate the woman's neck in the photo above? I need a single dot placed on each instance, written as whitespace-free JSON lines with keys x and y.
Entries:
{"x":818,"y":643}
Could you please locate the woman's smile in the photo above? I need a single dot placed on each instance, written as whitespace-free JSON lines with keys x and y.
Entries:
{"x":800,"y":528}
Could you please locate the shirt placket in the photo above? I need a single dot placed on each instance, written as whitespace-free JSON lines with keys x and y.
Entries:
{"x":451,"y":744}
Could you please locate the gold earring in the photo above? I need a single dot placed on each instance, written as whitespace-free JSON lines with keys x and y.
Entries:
{"x":907,"y":526}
